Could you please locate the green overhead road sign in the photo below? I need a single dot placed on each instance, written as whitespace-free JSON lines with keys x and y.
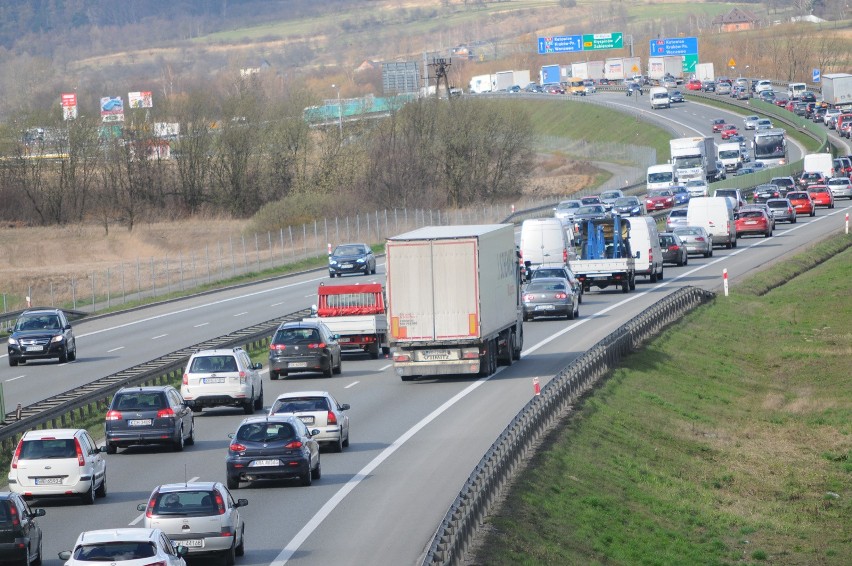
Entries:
{"x":593,"y":41}
{"x":689,"y":62}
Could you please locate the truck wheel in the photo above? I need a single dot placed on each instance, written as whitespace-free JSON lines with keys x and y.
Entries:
{"x":407,"y":377}
{"x":519,"y":345}
{"x":660,"y":276}
{"x":625,"y":287}
{"x":633,"y":283}
{"x":653,"y":277}
{"x":374,"y":351}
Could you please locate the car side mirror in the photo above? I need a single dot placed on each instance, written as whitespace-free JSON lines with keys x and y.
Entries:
{"x":65,"y":555}
{"x":343,"y":407}
{"x":101,"y":449}
{"x":335,"y":336}
{"x":314,"y":310}
{"x":257,"y":365}
{"x":241,"y":503}
{"x":38,"y":512}
{"x":315,"y":432}
{"x":142,"y":507}
{"x":181,"y":550}
{"x":231,"y":435}
{"x":67,"y":327}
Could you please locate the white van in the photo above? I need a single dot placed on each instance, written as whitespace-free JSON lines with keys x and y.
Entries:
{"x":796,"y":90}
{"x":545,"y":240}
{"x":819,"y":163}
{"x":716,"y":215}
{"x":659,"y":96}
{"x":645,"y":244}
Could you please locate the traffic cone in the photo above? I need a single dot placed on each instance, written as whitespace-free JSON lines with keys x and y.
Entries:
{"x":536,"y":386}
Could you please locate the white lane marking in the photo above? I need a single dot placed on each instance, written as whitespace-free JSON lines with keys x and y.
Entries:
{"x":241,"y":313}
{"x":277,"y":304}
{"x":200,"y":325}
{"x":315,"y":521}
{"x":160,"y":336}
{"x":135,"y":521}
{"x":115,"y":350}
{"x":14,"y":378}
{"x":383,"y":368}
{"x":353,"y":384}
{"x":205,"y":305}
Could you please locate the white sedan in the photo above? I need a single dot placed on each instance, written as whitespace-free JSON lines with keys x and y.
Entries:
{"x":840,"y":187}
{"x":318,"y":410}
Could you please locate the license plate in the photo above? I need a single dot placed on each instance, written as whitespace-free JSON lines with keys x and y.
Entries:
{"x":346,"y":266}
{"x":751,"y":222}
{"x":48,"y":481}
{"x":259,"y":463}
{"x":35,"y":348}
{"x":544,"y":307}
{"x":139,"y":422}
{"x":193,"y":542}
{"x":307,"y":419}
{"x":213,"y":380}
{"x":298,"y":364}
{"x":344,"y":340}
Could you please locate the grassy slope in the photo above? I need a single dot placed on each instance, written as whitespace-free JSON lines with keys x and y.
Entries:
{"x":706,"y":448}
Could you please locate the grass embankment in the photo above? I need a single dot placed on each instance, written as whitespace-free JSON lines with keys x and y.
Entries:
{"x":728,"y":440}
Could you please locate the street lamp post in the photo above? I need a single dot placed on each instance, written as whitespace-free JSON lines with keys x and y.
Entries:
{"x":339,"y":111}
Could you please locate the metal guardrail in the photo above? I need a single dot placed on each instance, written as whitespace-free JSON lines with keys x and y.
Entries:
{"x":510,"y":452}
{"x":58,"y":409}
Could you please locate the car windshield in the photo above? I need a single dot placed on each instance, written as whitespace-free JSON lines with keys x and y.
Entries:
{"x":40,"y":322}
{"x":657,"y":194}
{"x":568,"y":205}
{"x":115,"y":551}
{"x":548,"y":272}
{"x":300,"y":405}
{"x":591,"y":209}
{"x":678,"y":212}
{"x":688,"y":231}
{"x":590,"y":200}
{"x":190,"y":502}
{"x":297,"y":336}
{"x":213,"y":364}
{"x":48,"y":448}
{"x":542,"y":287}
{"x":138,"y":401}
{"x":350,"y":250}
{"x":265,"y":432}
{"x":626,"y":201}
{"x":611,"y":195}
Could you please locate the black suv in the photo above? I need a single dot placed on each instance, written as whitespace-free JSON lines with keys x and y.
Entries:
{"x":41,"y":334}
{"x":304,"y":346}
{"x":148,"y":415}
{"x":20,"y":534}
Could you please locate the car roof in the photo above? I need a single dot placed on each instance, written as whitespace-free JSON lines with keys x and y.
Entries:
{"x":216,"y":352}
{"x":301,"y":324}
{"x":41,"y":311}
{"x":294,"y":394}
{"x":125,"y":534}
{"x":548,"y":279}
{"x":194,"y":486}
{"x":59,"y":433}
{"x":144,"y":388}
{"x":278,"y":417}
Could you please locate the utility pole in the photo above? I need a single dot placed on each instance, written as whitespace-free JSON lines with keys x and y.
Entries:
{"x":441,"y":67}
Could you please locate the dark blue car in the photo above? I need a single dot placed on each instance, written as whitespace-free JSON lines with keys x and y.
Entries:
{"x":351,"y":258}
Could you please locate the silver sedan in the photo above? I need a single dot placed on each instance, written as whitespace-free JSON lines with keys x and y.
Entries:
{"x":696,"y":239}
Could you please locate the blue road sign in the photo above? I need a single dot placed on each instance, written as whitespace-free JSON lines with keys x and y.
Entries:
{"x":674,"y":46}
{"x":560,"y":44}
{"x":816,"y":76}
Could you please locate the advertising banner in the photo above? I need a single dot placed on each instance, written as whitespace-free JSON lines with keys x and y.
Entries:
{"x":112,"y":109}
{"x":140,"y":99}
{"x":68,"y":101}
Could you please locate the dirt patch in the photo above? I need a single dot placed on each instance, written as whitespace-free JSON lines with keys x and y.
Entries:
{"x":556,"y":175}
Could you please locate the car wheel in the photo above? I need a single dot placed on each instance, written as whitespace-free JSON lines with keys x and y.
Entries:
{"x":37,"y":560}
{"x":329,"y":371}
{"x":191,"y":439}
{"x":660,"y":276}
{"x":625,"y":287}
{"x":178,"y":444}
{"x":346,"y":440}
{"x":241,"y":548}
{"x":63,"y":356}
{"x":570,"y":314}
{"x":230,"y":555}
{"x":307,"y":478}
{"x":248,"y":407}
{"x":258,"y":403}
{"x":273,"y":375}
{"x":339,"y":368}
{"x":102,"y":489}
{"x":337,"y":445}
{"x":111,"y":448}
{"x":316,"y":473}
{"x":653,"y":277}
{"x":331,"y":275}
{"x":793,"y":221}
{"x":72,"y":355}
{"x":13,"y":362}
{"x":89,"y":497}
{"x":233,"y":483}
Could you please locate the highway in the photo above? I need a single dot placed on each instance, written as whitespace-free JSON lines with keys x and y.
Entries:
{"x":413,"y":444}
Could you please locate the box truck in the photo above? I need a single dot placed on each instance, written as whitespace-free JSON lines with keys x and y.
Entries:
{"x":504,"y":80}
{"x":730,"y":154}
{"x":550,"y":74}
{"x":659,"y":67}
{"x":454,"y":300}
{"x":521,"y":78}
{"x":482,"y":83}
{"x":837,"y":88}
{"x":661,"y":176}
{"x":614,"y":69}
{"x":704,"y":72}
{"x":693,"y":158}
{"x":632,"y":67}
{"x":588,"y":70}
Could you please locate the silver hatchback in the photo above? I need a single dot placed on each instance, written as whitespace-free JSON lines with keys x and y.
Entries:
{"x":202,"y":516}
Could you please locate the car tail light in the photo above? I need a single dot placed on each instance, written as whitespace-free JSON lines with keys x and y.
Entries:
{"x":17,"y":454}
{"x":237,"y":447}
{"x":319,"y":346}
{"x":560,"y":296}
{"x":158,"y":563}
{"x":220,"y":506}
{"x":13,"y":511}
{"x":529,"y":297}
{"x":674,"y":248}
{"x":242,"y":377}
{"x":113,"y":415}
{"x":330,"y":418}
{"x":79,"y":449}
{"x":564,"y":255}
{"x":149,"y":511}
{"x":165,"y":413}
{"x":226,"y":531}
{"x":293,"y":445}
{"x":651,"y":255}
{"x":186,"y":379}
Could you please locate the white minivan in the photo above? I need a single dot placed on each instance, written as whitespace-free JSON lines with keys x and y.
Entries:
{"x":645,"y":244}
{"x":716,"y":215}
{"x":545,"y":240}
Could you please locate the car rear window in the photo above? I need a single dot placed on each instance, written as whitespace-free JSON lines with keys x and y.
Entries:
{"x":349,"y":250}
{"x":139,"y":401}
{"x":296,"y":336}
{"x":797,"y":195}
{"x":750,"y":214}
{"x":48,"y":448}
{"x":115,"y":551}
{"x":300,"y":405}
{"x":193,"y":502}
{"x":539,"y":273}
{"x":213,"y":364}
{"x":540,"y":287}
{"x":265,"y":432}
{"x":5,"y":516}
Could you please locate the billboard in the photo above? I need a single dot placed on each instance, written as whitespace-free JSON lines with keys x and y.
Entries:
{"x":68,"y":101}
{"x":112,"y":109}
{"x":140,"y":99}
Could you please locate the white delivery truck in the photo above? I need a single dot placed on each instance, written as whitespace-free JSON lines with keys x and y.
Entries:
{"x":704,"y":72}
{"x":521,"y":78}
{"x":482,"y":83}
{"x":731,"y":156}
{"x":819,"y":163}
{"x":614,"y":69}
{"x":545,"y":240}
{"x":454,"y":301}
{"x":693,"y":158}
{"x":504,"y":80}
{"x":659,"y":67}
{"x":716,"y":215}
{"x":661,"y":176}
{"x":837,"y":88}
{"x":659,"y":96}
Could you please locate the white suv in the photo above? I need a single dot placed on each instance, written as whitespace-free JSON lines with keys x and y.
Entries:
{"x":202,"y":516}
{"x":227,"y":377}
{"x":58,"y":462}
{"x":129,"y":545}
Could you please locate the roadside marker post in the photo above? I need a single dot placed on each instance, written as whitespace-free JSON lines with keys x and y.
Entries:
{"x":847,"y":222}
{"x":536,"y":386}
{"x":725,"y":280}
{"x":329,"y":248}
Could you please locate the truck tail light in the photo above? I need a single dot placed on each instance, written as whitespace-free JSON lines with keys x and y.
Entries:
{"x":401,"y":357}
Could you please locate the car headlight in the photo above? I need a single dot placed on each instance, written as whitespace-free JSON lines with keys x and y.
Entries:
{"x":361,"y":259}
{"x":12,"y":341}
{"x":332,"y":262}
{"x":59,"y":338}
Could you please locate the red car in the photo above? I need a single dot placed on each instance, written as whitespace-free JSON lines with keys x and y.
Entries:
{"x":821,"y":195}
{"x":729,"y":130}
{"x":694,"y":84}
{"x":791,"y":105}
{"x":802,"y":202}
{"x":782,"y":102}
{"x":718,"y":124}
{"x":660,"y":199}
{"x":753,"y":221}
